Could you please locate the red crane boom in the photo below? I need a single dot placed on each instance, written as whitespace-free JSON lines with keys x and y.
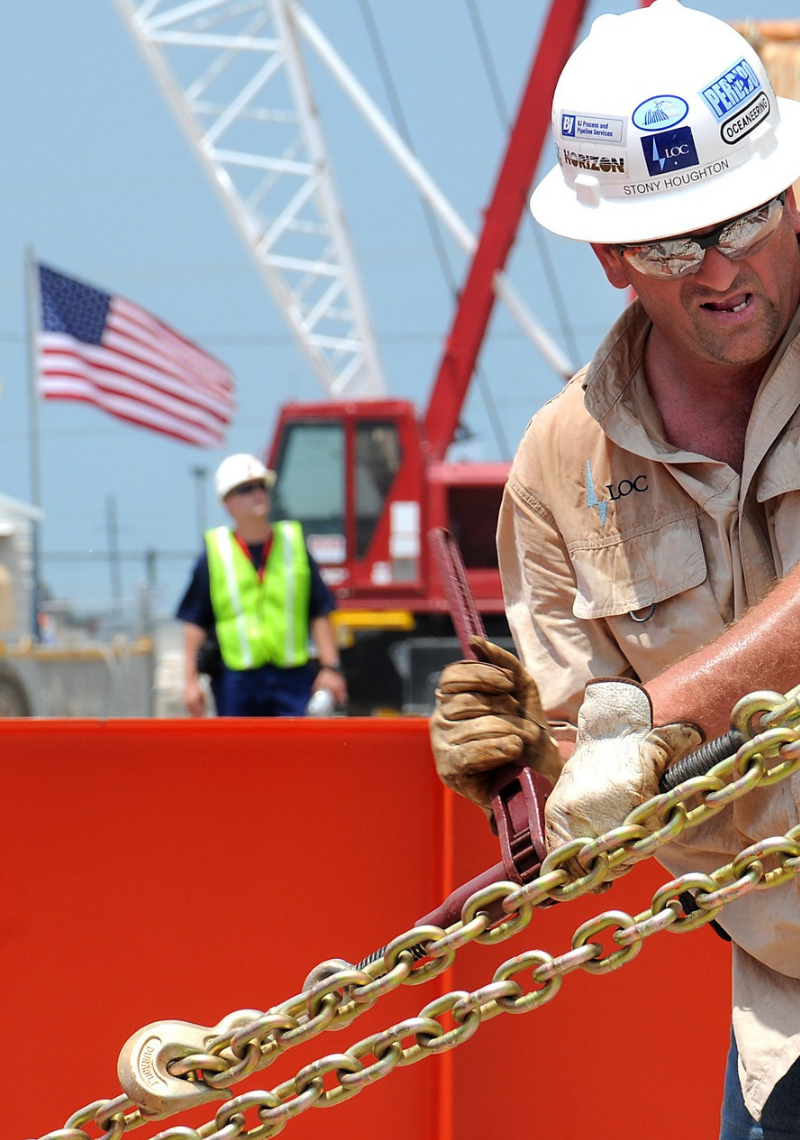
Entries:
{"x":501,"y":221}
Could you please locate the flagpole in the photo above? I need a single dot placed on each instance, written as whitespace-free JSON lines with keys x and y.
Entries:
{"x":33,"y":323}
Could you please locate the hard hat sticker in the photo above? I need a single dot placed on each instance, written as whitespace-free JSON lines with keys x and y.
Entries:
{"x":731,"y":89}
{"x":592,"y":128}
{"x":607,"y":163}
{"x":741,"y":124}
{"x":660,"y":112}
{"x":670,"y":150}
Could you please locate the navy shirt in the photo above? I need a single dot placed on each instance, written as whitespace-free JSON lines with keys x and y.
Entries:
{"x":195,"y":605}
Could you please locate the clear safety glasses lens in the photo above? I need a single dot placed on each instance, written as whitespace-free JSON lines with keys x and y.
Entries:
{"x":676,"y":257}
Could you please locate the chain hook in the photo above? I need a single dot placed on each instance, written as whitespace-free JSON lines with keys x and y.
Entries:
{"x":143,"y":1068}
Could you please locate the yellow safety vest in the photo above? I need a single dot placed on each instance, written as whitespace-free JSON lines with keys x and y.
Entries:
{"x":260,"y":622}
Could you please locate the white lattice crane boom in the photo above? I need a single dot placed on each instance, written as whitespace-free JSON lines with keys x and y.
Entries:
{"x":234,"y":76}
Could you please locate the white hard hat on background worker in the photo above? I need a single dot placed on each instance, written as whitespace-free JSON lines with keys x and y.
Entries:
{"x":686,"y":136}
{"x":238,"y":469}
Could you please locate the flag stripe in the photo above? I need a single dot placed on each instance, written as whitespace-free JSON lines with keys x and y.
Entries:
{"x":66,"y":363}
{"x":107,"y":351}
{"x":126,"y":318}
{"x":121,"y":353}
{"x":152,"y":386}
{"x":119,"y":404}
{"x":158,"y":328}
{"x":134,"y":415}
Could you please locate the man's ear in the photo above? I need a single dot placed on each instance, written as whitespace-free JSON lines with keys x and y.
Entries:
{"x":614,"y":266}
{"x":792,"y":210}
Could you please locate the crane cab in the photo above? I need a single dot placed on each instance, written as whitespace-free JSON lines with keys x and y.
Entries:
{"x":359,"y":478}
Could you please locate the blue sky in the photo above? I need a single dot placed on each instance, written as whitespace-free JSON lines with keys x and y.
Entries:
{"x":98,"y":179}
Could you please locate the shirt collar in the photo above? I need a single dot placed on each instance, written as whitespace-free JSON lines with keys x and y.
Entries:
{"x":617,"y":396}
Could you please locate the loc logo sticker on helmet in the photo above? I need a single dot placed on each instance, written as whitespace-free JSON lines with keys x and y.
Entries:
{"x":660,"y":112}
{"x":669,"y":150}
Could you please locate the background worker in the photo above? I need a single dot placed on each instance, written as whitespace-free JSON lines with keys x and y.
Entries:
{"x":259,"y":591}
{"x":650,"y":529}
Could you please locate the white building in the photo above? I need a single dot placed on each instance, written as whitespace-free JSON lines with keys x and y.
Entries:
{"x":17,"y":521}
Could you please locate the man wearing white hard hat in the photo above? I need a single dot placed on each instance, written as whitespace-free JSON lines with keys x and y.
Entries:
{"x":649,"y":538}
{"x":257,"y":592}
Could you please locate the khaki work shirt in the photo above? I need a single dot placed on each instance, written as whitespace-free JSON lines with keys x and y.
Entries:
{"x":619,"y":555}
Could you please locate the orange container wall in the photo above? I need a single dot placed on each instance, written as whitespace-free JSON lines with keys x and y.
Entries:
{"x":181,"y":870}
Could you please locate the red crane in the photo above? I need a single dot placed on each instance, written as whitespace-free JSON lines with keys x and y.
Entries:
{"x":369,"y":479}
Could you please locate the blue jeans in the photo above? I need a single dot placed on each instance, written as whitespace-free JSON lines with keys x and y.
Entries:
{"x":265,"y":691}
{"x":781,"y":1116}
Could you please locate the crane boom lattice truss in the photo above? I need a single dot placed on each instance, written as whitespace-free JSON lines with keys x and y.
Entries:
{"x":234,"y":76}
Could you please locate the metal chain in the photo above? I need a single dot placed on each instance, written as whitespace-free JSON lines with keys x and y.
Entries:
{"x":206,"y":1061}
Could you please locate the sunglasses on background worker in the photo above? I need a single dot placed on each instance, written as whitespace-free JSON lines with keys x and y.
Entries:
{"x":248,"y":488}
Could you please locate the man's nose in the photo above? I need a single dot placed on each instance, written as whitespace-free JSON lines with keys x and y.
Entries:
{"x":717,"y":270}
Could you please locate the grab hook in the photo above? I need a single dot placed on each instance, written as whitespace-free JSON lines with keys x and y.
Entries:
{"x":143,"y":1068}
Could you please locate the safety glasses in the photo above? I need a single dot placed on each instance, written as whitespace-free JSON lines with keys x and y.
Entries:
{"x":736,"y":239}
{"x":248,"y":488}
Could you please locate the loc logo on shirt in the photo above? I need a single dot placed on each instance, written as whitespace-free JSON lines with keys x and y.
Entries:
{"x":669,"y":150}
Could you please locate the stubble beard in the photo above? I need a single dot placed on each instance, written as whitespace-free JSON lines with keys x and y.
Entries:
{"x":724,"y":348}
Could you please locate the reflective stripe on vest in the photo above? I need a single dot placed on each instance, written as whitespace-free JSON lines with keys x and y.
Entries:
{"x":260,"y":622}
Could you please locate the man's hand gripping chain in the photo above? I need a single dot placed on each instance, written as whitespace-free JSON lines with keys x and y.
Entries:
{"x":617,"y":763}
{"x":488,"y":713}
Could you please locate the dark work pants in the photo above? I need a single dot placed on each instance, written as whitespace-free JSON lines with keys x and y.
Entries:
{"x":781,"y":1116}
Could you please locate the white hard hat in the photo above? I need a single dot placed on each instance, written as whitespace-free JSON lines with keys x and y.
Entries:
{"x":665,"y":122}
{"x":241,"y":468}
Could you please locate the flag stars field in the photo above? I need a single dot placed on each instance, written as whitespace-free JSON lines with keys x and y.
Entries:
{"x":108,"y":351}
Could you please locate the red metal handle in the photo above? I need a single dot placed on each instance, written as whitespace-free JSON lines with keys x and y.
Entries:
{"x":518,"y":793}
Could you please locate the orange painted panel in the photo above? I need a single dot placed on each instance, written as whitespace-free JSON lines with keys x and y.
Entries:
{"x":181,"y":870}
{"x":641,"y":1050}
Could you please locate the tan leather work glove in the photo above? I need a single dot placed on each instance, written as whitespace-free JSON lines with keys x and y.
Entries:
{"x":488,"y":713}
{"x":618,"y":760}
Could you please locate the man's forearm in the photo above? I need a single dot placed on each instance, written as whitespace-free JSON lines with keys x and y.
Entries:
{"x":324,"y":636}
{"x":193,"y":638}
{"x":760,"y":651}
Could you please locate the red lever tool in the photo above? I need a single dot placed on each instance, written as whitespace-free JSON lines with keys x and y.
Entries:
{"x":518,"y":793}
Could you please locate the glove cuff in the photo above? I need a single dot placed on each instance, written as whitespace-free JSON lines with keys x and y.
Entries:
{"x":617,"y":706}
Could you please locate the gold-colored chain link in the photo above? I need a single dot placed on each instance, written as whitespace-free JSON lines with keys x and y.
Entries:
{"x":248,"y":1041}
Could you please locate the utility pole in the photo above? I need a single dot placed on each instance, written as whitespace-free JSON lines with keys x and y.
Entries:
{"x":112,"y":533}
{"x":33,"y":321}
{"x":200,"y":474}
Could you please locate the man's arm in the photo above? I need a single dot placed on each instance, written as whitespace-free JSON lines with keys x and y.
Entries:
{"x":760,"y":651}
{"x":328,"y":653}
{"x":193,"y":695}
{"x":620,"y":755}
{"x":197,"y":614}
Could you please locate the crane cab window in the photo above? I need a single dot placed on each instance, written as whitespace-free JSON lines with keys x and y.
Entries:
{"x":473,"y":512}
{"x":310,"y":485}
{"x":378,"y":455}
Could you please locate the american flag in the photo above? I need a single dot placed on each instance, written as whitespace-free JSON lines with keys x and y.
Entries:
{"x":109,"y":352}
